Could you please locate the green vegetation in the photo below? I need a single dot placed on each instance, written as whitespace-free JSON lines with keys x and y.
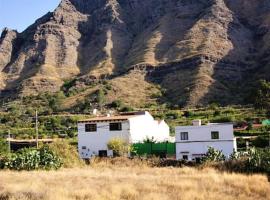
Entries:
{"x":31,"y":159}
{"x":3,"y":147}
{"x":262,"y":95}
{"x":67,"y":151}
{"x":213,"y":155}
{"x":119,"y":146}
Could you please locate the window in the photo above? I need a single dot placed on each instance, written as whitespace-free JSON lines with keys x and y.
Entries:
{"x":185,"y":157}
{"x":102,"y":153}
{"x":214,"y":135}
{"x":83,"y":147}
{"x":115,"y":126}
{"x":184,"y":135}
{"x":90,"y":127}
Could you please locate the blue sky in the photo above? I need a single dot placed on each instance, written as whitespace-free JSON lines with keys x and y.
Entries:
{"x":19,"y":14}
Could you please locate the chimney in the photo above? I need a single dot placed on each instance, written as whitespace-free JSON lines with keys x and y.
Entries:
{"x":197,"y":122}
{"x":95,"y":112}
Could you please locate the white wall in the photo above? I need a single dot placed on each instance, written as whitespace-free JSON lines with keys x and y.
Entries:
{"x":96,"y":141}
{"x":145,"y":126}
{"x":199,"y":139}
{"x":134,"y":130}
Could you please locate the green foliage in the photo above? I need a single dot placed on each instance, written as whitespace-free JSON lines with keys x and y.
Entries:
{"x":100,"y":97}
{"x":254,"y":160}
{"x":213,"y":155}
{"x":222,"y":119}
{"x":68,"y":84}
{"x":258,"y":160}
{"x":262,"y":95}
{"x":119,"y":146}
{"x":149,"y":140}
{"x":32,"y":159}
{"x":188,"y":114}
{"x":56,"y":100}
{"x":173,"y":115}
{"x":3,"y":147}
{"x":67,"y":150}
{"x":127,"y":109}
{"x":117,"y":104}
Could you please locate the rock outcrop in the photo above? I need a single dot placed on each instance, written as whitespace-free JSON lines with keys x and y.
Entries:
{"x":198,"y":50}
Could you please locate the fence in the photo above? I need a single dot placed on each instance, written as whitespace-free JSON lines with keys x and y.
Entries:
{"x":164,"y":149}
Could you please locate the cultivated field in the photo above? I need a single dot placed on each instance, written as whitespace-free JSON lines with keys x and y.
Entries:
{"x":137,"y":182}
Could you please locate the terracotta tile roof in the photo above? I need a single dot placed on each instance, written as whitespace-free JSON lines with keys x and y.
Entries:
{"x":111,"y":118}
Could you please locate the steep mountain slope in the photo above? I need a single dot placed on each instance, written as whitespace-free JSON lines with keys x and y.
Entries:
{"x":199,"y":51}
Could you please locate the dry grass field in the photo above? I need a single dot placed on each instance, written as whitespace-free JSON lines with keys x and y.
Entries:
{"x":132,"y":182}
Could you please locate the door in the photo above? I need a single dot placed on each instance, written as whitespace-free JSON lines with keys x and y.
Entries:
{"x":103,"y":153}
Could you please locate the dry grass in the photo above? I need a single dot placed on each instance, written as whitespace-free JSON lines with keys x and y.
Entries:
{"x":106,"y":181}
{"x":133,"y":89}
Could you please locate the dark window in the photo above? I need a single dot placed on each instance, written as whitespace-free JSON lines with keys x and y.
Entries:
{"x":198,"y":160}
{"x":102,"y":153}
{"x":84,"y":147}
{"x":90,"y":127}
{"x":115,"y":126}
{"x":184,"y":135}
{"x":215,"y":135}
{"x":185,"y":157}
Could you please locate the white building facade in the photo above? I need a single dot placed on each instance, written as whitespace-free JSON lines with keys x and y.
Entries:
{"x":94,"y":134}
{"x":192,"y":142}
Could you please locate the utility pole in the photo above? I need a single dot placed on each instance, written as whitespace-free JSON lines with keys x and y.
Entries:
{"x":36,"y":129}
{"x":9,"y":146}
{"x":269,"y":138}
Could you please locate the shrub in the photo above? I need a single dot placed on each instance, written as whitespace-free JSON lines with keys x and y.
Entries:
{"x":223,"y":119}
{"x":119,"y":146}
{"x":149,"y":140}
{"x":32,"y":159}
{"x":126,"y":109}
{"x":100,"y":97}
{"x":117,"y":104}
{"x":261,"y":98}
{"x":258,"y":160}
{"x":188,"y":114}
{"x":3,"y":147}
{"x":68,"y":153}
{"x":213,"y":155}
{"x":173,"y":115}
{"x":252,"y":161}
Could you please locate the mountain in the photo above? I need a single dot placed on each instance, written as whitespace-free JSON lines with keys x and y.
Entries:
{"x":198,"y":51}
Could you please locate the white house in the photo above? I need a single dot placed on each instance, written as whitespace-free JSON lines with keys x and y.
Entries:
{"x":192,"y":142}
{"x":95,"y":133}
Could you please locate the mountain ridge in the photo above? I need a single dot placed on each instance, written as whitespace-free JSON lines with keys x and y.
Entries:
{"x":198,"y":51}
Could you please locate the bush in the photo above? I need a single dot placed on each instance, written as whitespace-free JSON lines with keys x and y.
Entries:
{"x":117,"y":104}
{"x":252,"y":161}
{"x":172,"y":115}
{"x":32,"y":159}
{"x":68,"y":153}
{"x":126,"y":109}
{"x":188,"y":114}
{"x":3,"y":147}
{"x":119,"y":146}
{"x":222,"y":119}
{"x":213,"y":155}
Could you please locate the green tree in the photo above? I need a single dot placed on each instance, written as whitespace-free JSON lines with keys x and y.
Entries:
{"x":262,"y":95}
{"x":100,"y":97}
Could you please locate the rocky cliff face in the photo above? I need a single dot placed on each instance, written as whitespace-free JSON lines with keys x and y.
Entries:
{"x":198,"y":50}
